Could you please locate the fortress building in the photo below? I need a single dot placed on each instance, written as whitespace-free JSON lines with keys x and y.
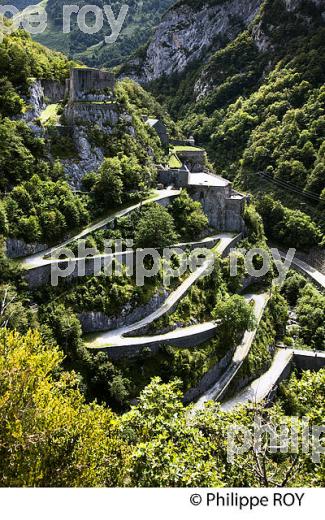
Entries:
{"x":90,"y":85}
{"x":160,"y":128}
{"x":223,"y":205}
{"x":90,"y":94}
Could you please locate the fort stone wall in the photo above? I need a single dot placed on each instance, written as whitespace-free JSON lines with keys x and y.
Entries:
{"x":98,"y":113}
{"x":86,"y":83}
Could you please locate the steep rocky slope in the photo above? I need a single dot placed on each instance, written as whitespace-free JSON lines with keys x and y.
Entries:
{"x":91,"y":49}
{"x":188,"y":32}
{"x":257,"y":102}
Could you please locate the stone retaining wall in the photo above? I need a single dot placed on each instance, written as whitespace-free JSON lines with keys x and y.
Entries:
{"x":98,"y":321}
{"x":16,"y":248}
{"x":54,"y":91}
{"x":92,"y":266}
{"x":99,"y":113}
{"x":154,"y":346}
{"x":208,"y":379}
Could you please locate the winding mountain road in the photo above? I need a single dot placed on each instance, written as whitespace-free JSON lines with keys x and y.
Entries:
{"x":117,"y":337}
{"x":44,"y":257}
{"x":261,"y":387}
{"x":216,"y":391}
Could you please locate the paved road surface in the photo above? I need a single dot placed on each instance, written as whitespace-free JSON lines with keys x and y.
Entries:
{"x":42,"y":258}
{"x":115,"y":337}
{"x":261,"y":387}
{"x":115,"y":340}
{"x":214,"y":393}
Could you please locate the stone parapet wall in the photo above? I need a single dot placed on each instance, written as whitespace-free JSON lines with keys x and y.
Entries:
{"x":176,"y":178}
{"x":309,"y":360}
{"x":193,"y":159}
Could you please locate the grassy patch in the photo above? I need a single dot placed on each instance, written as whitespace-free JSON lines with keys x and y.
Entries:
{"x":183,"y":148}
{"x":50,"y":115}
{"x":174,"y":162}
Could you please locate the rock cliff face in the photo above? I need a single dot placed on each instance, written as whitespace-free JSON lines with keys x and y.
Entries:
{"x":294,"y":7}
{"x":98,"y":321}
{"x":35,"y":102}
{"x":80,"y":117}
{"x":189,"y":33}
{"x":89,"y":159}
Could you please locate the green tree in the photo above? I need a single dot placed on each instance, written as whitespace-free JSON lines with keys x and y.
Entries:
{"x":10,"y":102}
{"x":167,"y":450}
{"x":298,"y":229}
{"x":3,"y":221}
{"x":119,"y":389}
{"x":13,"y":313}
{"x":108,"y":188}
{"x":304,"y":395}
{"x":292,"y":227}
{"x":53,"y":225}
{"x":22,"y":198}
{"x":49,"y":436}
{"x":65,"y":327}
{"x":236,"y":316}
{"x":29,"y":229}
{"x":292,"y":286}
{"x":188,"y":216}
{"x":155,"y":228}
{"x":20,"y":153}
{"x":311,"y":317}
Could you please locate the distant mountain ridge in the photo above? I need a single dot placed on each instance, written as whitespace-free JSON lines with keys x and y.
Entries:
{"x":90,"y":48}
{"x":20,"y":4}
{"x":250,"y":89}
{"x":190,"y":31}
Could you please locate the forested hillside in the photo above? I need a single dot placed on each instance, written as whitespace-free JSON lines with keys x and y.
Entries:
{"x":51,"y":437}
{"x":21,"y":60}
{"x":91,"y":48}
{"x":110,"y":377}
{"x":258,"y":106}
{"x":39,"y":205}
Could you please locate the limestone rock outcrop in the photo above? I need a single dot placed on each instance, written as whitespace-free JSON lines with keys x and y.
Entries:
{"x":188,"y":33}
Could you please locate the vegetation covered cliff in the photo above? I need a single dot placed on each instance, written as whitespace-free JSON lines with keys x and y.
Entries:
{"x":256,"y":102}
{"x":42,"y":159}
{"x":246,"y":78}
